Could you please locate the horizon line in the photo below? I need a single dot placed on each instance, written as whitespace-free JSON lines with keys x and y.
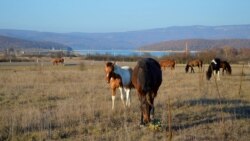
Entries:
{"x":36,"y":30}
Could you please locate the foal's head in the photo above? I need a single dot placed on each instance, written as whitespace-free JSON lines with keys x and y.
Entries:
{"x":109,"y":69}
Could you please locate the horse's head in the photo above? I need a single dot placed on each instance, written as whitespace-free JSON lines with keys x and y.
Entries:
{"x":209,"y":72}
{"x":109,"y":68}
{"x":147,"y":107}
{"x":187,"y":66}
{"x":61,"y":60}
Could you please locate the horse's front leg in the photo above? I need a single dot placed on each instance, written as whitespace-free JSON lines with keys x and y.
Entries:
{"x":122,"y":96}
{"x":192,"y":70}
{"x":218,"y":75}
{"x":113,"y":98}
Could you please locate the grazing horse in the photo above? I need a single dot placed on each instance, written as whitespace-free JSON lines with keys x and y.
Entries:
{"x":225,"y":66}
{"x":214,"y":67}
{"x":147,"y":78}
{"x":167,"y":63}
{"x":57,"y":61}
{"x":193,"y":63}
{"x":119,"y":77}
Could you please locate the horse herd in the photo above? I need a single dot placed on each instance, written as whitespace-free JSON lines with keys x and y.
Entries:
{"x":146,"y":78}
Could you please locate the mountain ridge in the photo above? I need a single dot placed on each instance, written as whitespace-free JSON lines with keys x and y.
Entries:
{"x":198,"y":44}
{"x":133,"y":39}
{"x":22,"y":44}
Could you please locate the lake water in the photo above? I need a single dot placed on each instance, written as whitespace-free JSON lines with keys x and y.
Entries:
{"x":124,"y":52}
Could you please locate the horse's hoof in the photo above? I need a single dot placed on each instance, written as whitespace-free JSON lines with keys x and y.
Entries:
{"x":142,"y":125}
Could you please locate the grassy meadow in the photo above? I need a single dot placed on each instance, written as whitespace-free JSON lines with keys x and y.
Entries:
{"x":73,"y":102}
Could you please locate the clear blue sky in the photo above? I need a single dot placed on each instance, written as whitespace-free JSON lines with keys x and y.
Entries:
{"x":119,"y":15}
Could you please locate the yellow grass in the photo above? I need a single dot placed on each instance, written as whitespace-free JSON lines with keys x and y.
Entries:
{"x":73,"y":102}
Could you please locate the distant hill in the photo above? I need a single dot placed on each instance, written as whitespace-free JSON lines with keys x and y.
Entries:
{"x":198,"y":44}
{"x":133,"y":39}
{"x":15,"y":43}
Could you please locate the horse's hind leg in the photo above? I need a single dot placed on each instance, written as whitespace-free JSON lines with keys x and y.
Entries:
{"x":127,"y":91}
{"x":122,"y":96}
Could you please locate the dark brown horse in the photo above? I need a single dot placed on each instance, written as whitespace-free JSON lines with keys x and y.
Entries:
{"x":194,"y":63}
{"x":147,"y":78}
{"x":167,"y":63}
{"x":57,"y":61}
{"x":226,"y":66}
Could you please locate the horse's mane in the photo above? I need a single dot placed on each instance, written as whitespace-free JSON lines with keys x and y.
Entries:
{"x":217,"y":65}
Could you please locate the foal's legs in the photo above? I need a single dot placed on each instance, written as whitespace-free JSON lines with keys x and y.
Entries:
{"x":113,"y":98}
{"x":122,"y":96}
{"x":127,"y":91}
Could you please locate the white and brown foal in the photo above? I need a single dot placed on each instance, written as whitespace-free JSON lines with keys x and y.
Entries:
{"x":119,"y":77}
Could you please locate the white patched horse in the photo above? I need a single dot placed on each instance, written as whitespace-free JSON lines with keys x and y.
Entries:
{"x":214,"y":68}
{"x":119,"y":77}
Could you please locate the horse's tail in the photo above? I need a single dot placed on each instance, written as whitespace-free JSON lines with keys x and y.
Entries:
{"x":228,"y":68}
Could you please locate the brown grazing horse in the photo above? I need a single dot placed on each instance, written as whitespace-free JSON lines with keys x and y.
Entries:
{"x":225,"y":66}
{"x":147,"y":78}
{"x":194,"y":63}
{"x":167,"y":63}
{"x":57,"y":61}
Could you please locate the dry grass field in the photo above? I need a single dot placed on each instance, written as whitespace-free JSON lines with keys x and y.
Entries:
{"x":73,"y":102}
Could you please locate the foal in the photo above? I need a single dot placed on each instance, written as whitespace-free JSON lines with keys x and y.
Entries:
{"x":119,"y":77}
